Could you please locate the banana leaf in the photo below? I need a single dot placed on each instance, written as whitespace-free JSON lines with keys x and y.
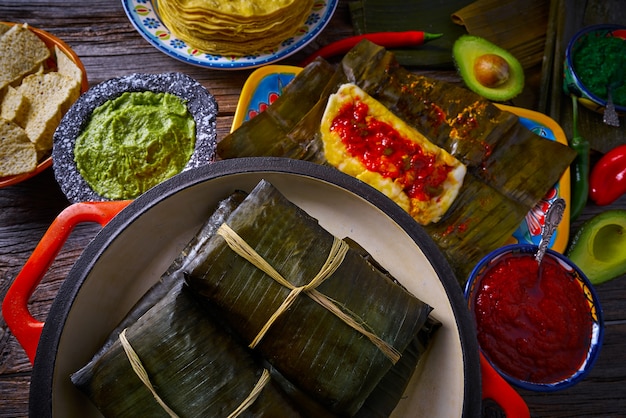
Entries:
{"x":168,"y":300}
{"x":195,"y":367}
{"x":472,"y":230}
{"x":516,"y":166}
{"x":491,"y":142}
{"x":201,"y":354}
{"x":273,"y":134}
{"x":308,"y":344}
{"x":506,"y":24}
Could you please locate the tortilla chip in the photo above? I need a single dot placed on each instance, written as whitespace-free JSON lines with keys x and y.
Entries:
{"x":21,"y":53}
{"x":17,"y":152}
{"x":50,"y":96}
{"x":68,"y":68}
{"x":14,"y":106}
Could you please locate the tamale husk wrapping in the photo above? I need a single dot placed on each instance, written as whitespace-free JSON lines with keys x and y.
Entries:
{"x":473,"y":230}
{"x":308,"y":344}
{"x":486,"y":139}
{"x":167,"y":297}
{"x":164,"y":303}
{"x":196,"y":368}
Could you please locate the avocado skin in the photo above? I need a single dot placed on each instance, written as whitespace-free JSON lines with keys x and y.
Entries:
{"x":599,"y":246}
{"x":469,"y":47}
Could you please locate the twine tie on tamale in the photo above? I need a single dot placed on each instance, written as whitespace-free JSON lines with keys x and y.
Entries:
{"x":141,"y":372}
{"x":335,"y":257}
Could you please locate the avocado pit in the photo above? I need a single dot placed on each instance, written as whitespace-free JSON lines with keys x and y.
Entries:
{"x":491,"y":70}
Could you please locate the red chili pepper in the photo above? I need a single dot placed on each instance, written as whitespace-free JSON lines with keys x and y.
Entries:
{"x":385,"y":39}
{"x":607,"y":181}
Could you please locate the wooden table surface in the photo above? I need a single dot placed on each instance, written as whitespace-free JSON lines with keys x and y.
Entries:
{"x":109,"y":46}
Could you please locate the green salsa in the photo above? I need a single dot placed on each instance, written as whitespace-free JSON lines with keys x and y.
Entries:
{"x":598,"y":61}
{"x":134,"y":142}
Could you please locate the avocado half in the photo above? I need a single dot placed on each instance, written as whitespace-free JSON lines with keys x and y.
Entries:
{"x":467,"y":49}
{"x":599,"y":246}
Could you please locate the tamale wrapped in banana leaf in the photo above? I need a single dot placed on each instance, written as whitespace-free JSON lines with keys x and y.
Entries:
{"x":389,"y":391}
{"x":195,"y":365}
{"x":491,"y":142}
{"x":313,"y":307}
{"x":209,"y":353}
{"x":516,"y":166}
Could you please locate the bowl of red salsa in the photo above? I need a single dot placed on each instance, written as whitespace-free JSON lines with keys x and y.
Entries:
{"x":539,"y":325}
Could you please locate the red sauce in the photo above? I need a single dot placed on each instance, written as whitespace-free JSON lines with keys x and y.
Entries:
{"x":534,"y":330}
{"x":382,"y":149}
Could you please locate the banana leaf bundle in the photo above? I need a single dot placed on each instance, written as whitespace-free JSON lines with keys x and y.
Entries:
{"x":197,"y":366}
{"x":509,"y":167}
{"x":311,"y":305}
{"x":225,"y":369}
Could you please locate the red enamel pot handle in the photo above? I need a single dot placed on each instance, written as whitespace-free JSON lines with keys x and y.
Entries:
{"x":22,"y":324}
{"x":498,"y":390}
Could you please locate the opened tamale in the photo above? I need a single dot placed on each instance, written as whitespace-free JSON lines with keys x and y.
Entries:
{"x":337,"y":361}
{"x":515,"y":166}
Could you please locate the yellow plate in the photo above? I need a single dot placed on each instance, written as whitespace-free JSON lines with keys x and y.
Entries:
{"x":266,"y":84}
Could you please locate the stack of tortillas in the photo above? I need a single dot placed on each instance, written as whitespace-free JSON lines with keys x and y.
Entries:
{"x":234,"y":27}
{"x":33,"y":99}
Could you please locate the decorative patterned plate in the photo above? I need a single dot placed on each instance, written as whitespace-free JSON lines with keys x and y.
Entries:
{"x":144,"y":18}
{"x":265,"y":85}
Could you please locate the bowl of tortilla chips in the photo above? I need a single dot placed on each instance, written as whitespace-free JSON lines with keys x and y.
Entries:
{"x":40,"y":78}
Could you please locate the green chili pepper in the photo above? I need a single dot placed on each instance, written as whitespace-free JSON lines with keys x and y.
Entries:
{"x":579,"y":168}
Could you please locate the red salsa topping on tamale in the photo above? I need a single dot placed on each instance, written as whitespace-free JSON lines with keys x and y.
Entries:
{"x":382,"y":149}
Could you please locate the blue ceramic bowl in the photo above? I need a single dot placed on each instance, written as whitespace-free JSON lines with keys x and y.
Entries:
{"x":573,"y":78}
{"x":475,"y":286}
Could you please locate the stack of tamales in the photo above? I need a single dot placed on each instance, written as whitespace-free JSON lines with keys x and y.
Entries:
{"x":510,"y":168}
{"x":264,"y":313}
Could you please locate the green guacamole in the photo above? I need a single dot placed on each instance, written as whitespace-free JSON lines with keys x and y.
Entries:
{"x":134,"y":142}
